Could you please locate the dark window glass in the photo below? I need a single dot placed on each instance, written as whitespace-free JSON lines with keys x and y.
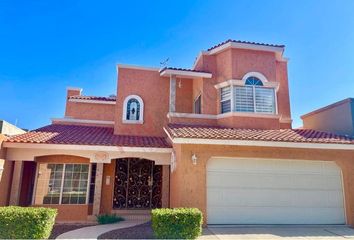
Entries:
{"x":253,"y":81}
{"x":198,"y":105}
{"x":92,"y":182}
{"x":133,"y":109}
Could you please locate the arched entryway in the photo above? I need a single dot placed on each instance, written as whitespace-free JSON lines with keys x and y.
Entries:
{"x":137,"y":184}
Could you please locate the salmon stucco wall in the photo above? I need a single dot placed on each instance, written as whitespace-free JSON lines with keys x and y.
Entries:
{"x":91,"y":111}
{"x":70,"y":213}
{"x":188,"y":181}
{"x":234,"y":64}
{"x":249,"y":122}
{"x":154,"y":91}
{"x":184,"y":95}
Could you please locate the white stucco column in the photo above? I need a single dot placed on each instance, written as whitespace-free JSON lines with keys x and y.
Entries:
{"x":98,"y":189}
{"x":16,"y":183}
{"x":172,"y":94}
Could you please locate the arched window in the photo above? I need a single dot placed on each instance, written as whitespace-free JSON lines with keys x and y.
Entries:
{"x":133,"y":109}
{"x":253,"y":81}
{"x":253,"y":95}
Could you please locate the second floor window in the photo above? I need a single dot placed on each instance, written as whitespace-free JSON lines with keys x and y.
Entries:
{"x":251,"y":97}
{"x":198,"y":105}
{"x":133,"y":109}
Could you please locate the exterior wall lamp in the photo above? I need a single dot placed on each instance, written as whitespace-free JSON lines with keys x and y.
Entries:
{"x":194,"y":159}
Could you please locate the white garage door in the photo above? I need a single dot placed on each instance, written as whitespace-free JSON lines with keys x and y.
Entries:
{"x":245,"y":191}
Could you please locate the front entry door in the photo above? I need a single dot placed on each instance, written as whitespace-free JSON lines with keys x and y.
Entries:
{"x":137,"y":184}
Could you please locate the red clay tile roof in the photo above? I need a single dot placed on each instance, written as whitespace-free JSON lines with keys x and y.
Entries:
{"x":181,"y":69}
{"x":238,"y":41}
{"x":86,"y":135}
{"x":96,"y":98}
{"x":282,"y":135}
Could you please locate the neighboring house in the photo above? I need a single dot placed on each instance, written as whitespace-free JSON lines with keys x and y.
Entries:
{"x":337,"y":118}
{"x":9,"y":129}
{"x":217,"y":137}
{"x":6,"y":130}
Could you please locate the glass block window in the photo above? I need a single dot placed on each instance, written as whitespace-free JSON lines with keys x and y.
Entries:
{"x":225,"y":97}
{"x":62,"y":184}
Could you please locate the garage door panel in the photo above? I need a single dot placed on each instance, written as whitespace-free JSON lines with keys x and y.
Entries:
{"x":272,"y":215}
{"x":274,"y":197}
{"x":273,"y":166}
{"x":269,"y":180}
{"x":274,"y":192}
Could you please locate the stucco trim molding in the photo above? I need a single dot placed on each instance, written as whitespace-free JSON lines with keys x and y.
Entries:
{"x":95,"y":154}
{"x":88,"y":121}
{"x":190,"y":115}
{"x":137,"y":67}
{"x":92,"y":101}
{"x":220,"y":116}
{"x":237,"y":82}
{"x":85,"y":147}
{"x":259,"y":143}
{"x":258,"y":75}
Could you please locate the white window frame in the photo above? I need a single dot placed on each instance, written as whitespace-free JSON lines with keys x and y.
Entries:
{"x":125,"y":108}
{"x":264,"y":80}
{"x":62,"y":184}
{"x":228,"y":99}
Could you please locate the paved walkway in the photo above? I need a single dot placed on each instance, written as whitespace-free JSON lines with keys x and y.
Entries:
{"x":314,"y":232}
{"x":93,"y":232}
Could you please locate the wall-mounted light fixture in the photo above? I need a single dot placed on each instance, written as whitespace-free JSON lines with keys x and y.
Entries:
{"x":194,"y":159}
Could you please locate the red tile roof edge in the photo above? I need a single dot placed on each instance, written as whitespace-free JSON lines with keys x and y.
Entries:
{"x":182,"y":69}
{"x":87,"y":135}
{"x":96,"y":98}
{"x":314,"y":135}
{"x":246,"y":42}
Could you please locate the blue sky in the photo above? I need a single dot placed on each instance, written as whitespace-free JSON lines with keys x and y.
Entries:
{"x":46,"y":46}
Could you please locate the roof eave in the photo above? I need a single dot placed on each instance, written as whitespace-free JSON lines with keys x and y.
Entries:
{"x":184,"y":74}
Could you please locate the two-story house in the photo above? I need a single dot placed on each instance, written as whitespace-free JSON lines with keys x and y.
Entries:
{"x":217,"y":137}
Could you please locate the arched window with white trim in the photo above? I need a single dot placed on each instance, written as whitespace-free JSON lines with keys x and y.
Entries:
{"x":253,"y":94}
{"x":133,"y":110}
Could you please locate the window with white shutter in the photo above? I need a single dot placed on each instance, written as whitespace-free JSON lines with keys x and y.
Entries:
{"x":251,"y":97}
{"x":225,"y":97}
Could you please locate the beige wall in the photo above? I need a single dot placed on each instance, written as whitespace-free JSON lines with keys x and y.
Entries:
{"x":6,"y":176}
{"x":188,"y":181}
{"x":337,"y":119}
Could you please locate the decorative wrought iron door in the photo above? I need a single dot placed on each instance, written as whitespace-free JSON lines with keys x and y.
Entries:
{"x":137,"y":184}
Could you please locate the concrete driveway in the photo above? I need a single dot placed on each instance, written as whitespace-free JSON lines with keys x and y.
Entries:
{"x":313,"y":232}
